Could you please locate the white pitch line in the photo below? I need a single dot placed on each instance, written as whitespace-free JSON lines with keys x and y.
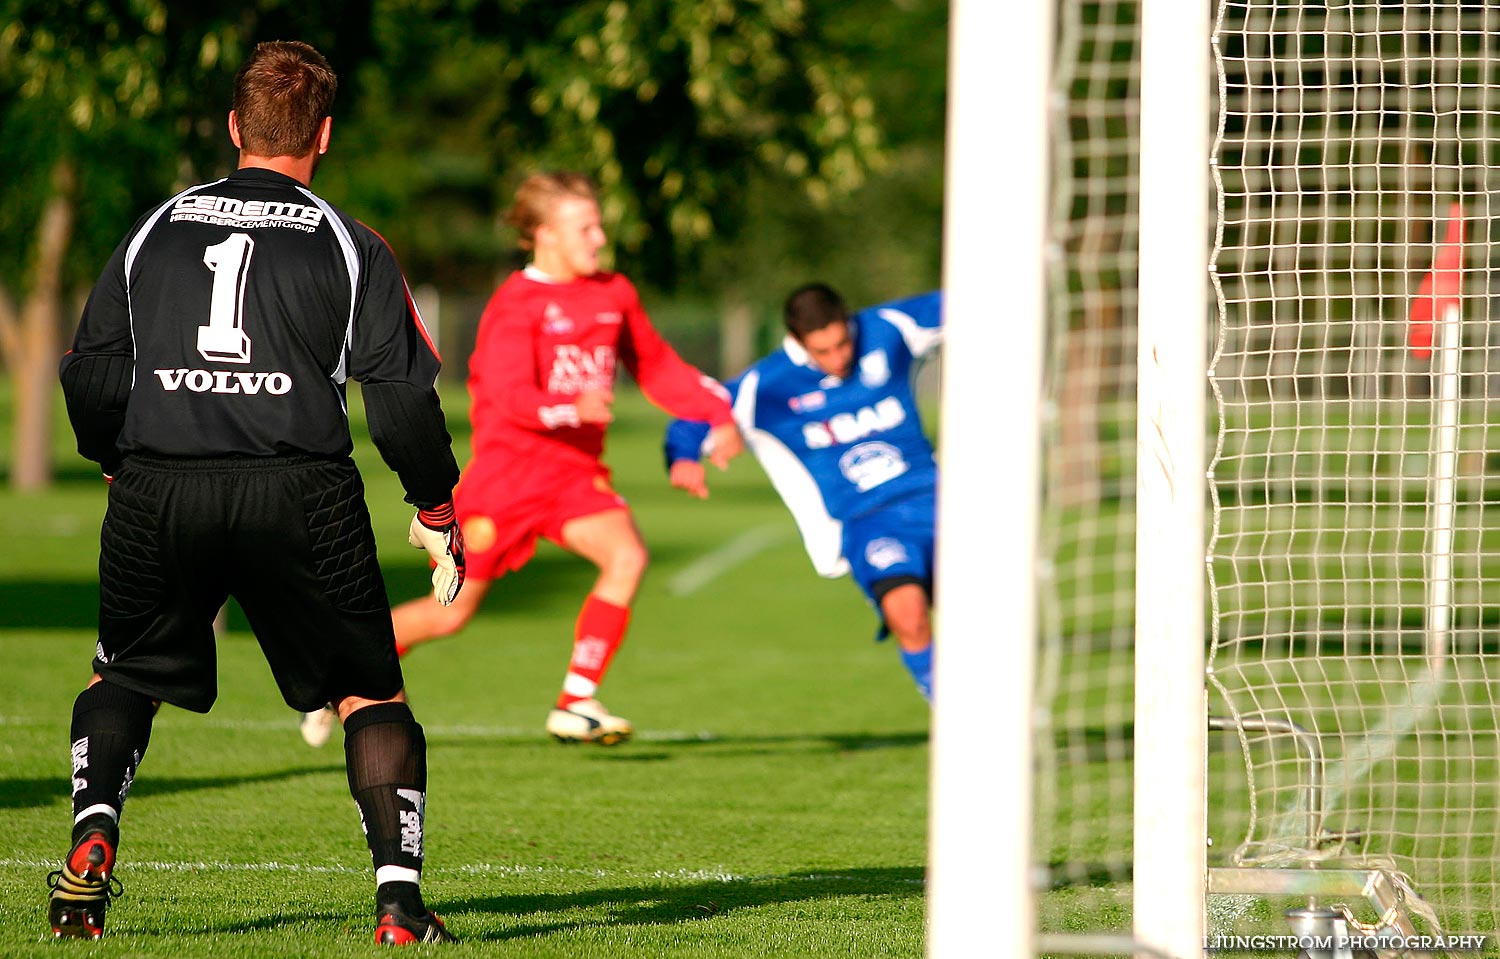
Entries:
{"x":432,"y":729}
{"x":715,"y":563}
{"x":469,"y":869}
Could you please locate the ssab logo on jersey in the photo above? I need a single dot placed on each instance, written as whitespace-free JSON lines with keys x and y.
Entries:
{"x":852,"y":427}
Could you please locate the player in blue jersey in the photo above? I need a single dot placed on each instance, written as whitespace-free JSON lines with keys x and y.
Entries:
{"x":832,"y":418}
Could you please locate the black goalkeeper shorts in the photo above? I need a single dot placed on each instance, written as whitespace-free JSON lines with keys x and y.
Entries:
{"x":288,"y":537}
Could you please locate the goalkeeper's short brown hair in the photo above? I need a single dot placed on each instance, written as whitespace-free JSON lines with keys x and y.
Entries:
{"x":282,"y":92}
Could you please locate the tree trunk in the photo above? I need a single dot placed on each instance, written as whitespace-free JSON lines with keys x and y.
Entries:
{"x":35,"y":354}
{"x":736,"y":339}
{"x":1078,"y":454}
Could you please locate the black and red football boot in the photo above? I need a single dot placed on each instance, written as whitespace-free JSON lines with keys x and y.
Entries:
{"x":83,"y":887}
{"x":396,"y":927}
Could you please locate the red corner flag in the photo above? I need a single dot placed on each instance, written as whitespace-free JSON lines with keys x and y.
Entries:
{"x":1441,"y":287}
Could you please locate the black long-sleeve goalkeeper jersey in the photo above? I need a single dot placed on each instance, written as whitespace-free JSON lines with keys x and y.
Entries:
{"x":227,"y":322}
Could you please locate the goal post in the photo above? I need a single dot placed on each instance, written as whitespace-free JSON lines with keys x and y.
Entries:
{"x":979,"y":890}
{"x":1171,"y":718}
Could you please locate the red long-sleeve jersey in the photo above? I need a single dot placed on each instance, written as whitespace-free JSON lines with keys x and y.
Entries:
{"x":541,"y":343}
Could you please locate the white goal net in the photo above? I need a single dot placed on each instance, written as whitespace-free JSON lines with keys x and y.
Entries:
{"x":1354,"y":566}
{"x":1087,"y":533}
{"x":1354,"y":575}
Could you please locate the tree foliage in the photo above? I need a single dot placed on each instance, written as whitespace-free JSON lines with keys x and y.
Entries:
{"x":709,"y":124}
{"x":882,"y":239}
{"x":135,"y":93}
{"x":103,"y":103}
{"x":677,"y":106}
{"x":672,"y":105}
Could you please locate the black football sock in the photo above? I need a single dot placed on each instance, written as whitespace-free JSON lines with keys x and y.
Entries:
{"x":386,"y":755}
{"x":111,"y":728}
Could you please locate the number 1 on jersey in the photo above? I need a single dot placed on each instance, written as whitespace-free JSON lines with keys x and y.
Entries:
{"x":224,"y":337}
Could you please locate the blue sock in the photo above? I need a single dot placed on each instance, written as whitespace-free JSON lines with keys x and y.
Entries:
{"x":920,"y":666}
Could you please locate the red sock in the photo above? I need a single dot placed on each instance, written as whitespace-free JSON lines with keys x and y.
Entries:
{"x":600,"y":628}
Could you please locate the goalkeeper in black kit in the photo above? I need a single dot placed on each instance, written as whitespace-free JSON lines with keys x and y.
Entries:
{"x":208,"y":381}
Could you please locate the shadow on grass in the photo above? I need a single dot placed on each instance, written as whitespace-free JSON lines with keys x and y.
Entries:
{"x":49,"y":604}
{"x":727,"y":746}
{"x":32,"y":792}
{"x":710,"y":746}
{"x":72,"y":471}
{"x":644,"y":904}
{"x":551,"y":581}
{"x":654,"y":904}
{"x":1067,"y":875}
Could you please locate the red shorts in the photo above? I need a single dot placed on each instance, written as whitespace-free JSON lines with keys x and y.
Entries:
{"x":504,"y":503}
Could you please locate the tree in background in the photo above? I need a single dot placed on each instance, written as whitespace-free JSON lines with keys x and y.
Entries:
{"x":705,"y":122}
{"x":877,"y":242}
{"x":72,"y":81}
{"x":729,"y":137}
{"x":104,"y":109}
{"x":673,"y":106}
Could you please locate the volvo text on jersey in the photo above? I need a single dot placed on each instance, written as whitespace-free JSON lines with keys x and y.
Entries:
{"x":243,"y":306}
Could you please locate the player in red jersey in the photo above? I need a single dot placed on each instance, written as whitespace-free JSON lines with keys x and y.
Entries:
{"x":541,"y":379}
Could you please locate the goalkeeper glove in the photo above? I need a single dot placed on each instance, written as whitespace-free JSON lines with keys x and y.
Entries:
{"x":436,"y":530}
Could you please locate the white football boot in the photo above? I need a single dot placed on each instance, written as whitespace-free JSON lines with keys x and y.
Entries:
{"x":318,"y":725}
{"x":587,"y":721}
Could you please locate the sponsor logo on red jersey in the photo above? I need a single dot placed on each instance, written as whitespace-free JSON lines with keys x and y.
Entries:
{"x":555,"y":322}
{"x":578,"y":368}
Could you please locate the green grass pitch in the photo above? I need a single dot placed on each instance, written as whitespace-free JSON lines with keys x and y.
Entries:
{"x":774,"y":803}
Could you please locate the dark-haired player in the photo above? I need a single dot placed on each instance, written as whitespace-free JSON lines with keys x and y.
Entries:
{"x":833,"y":421}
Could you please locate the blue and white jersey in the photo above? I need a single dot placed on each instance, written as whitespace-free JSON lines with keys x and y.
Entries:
{"x":837,"y":449}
